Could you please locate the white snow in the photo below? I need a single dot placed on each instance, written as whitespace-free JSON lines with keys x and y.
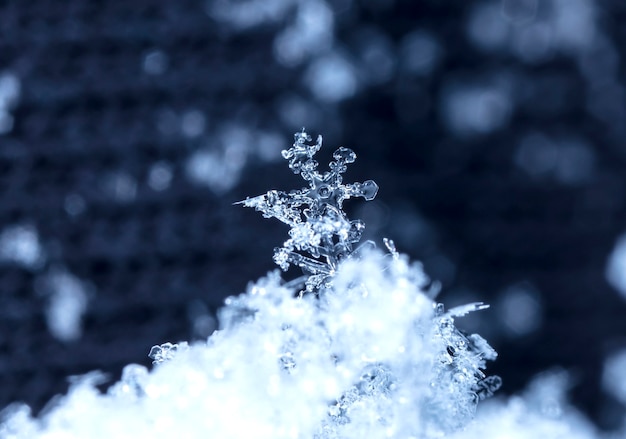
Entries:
{"x":369,"y":358}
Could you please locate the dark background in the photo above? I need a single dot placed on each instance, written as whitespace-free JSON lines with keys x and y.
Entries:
{"x":495,"y":130}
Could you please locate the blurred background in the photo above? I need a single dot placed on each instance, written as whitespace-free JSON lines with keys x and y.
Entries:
{"x":494,"y":128}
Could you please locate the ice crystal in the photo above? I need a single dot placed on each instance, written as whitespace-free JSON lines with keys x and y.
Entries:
{"x":319,"y":227}
{"x":166,"y":351}
{"x":370,"y":356}
{"x":321,"y":230}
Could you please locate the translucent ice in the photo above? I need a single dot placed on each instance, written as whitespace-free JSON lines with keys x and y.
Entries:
{"x":319,"y":227}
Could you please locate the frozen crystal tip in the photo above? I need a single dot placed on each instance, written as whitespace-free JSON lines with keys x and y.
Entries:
{"x":369,"y":189}
{"x":344,"y":154}
{"x":321,"y":234}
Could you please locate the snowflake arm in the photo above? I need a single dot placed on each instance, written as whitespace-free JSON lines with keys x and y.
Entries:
{"x":319,"y":227}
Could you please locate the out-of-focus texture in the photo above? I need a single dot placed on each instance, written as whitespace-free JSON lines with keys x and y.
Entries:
{"x":127,"y":129}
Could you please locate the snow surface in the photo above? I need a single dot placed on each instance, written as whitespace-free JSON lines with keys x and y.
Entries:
{"x":369,"y":358}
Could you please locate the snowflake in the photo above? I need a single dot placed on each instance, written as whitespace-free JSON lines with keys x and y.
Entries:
{"x":319,"y":227}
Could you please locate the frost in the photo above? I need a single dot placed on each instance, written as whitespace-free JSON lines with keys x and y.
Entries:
{"x":371,"y":357}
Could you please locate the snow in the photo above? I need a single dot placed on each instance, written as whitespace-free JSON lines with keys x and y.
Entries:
{"x":369,"y":355}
